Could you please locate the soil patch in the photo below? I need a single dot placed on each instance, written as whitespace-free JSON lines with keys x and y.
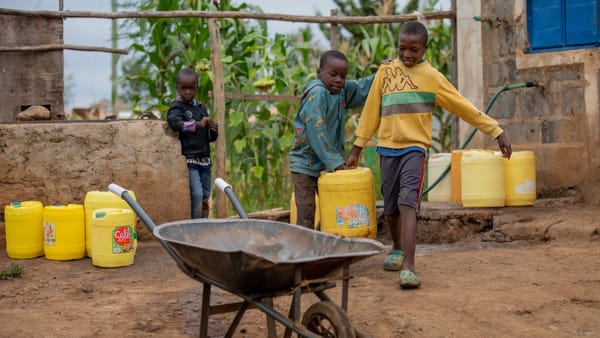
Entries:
{"x":471,"y":288}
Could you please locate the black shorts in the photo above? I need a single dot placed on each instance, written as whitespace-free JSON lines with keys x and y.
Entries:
{"x":402,"y":180}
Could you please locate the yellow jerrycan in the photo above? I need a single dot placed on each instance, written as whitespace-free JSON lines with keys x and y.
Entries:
{"x":436,"y":165}
{"x":347,"y":203}
{"x":482,"y":179}
{"x":64,"y":232}
{"x":520,"y":180}
{"x":24,"y":232}
{"x":114,"y":237}
{"x":294,"y":211}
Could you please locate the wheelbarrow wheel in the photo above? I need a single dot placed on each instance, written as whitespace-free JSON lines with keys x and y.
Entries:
{"x":328,"y":320}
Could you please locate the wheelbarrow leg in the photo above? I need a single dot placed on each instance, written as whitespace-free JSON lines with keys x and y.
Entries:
{"x":294,"y":313}
{"x":288,"y":331}
{"x":345,"y":283}
{"x":271,"y":329}
{"x":237,"y":319}
{"x":205,"y":309}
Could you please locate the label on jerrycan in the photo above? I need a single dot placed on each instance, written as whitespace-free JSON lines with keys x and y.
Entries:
{"x":355,"y":215}
{"x":123,"y":237}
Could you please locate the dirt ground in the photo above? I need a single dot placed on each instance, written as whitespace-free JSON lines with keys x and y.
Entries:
{"x":473,"y":288}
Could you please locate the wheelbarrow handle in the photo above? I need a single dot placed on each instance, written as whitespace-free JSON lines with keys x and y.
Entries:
{"x":226,"y":188}
{"x":116,"y":189}
{"x":221,"y":184}
{"x":124,"y":194}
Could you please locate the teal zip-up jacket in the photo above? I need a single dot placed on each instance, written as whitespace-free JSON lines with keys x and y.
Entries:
{"x":319,"y":125}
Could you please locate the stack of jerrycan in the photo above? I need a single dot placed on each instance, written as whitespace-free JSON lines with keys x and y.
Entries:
{"x":482,"y":178}
{"x":98,"y":199}
{"x":111,"y":229}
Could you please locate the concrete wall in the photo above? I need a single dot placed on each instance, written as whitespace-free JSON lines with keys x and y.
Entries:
{"x":30,"y":78}
{"x":59,"y":162}
{"x":558,"y":121}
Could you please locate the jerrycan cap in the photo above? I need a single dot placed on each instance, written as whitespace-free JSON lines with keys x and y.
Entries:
{"x":16,"y":204}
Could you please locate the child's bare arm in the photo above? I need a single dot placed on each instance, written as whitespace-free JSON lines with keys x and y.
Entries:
{"x":504,"y":145}
{"x":352,"y":160}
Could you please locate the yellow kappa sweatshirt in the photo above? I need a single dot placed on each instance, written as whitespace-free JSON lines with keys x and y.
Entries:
{"x":400,"y":105}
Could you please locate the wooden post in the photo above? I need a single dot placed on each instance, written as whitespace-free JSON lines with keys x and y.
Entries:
{"x":333,"y":32}
{"x":219,"y":107}
{"x":454,"y":74}
{"x":114,"y":36}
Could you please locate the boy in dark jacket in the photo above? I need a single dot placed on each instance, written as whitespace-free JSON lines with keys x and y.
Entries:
{"x":196,"y":131}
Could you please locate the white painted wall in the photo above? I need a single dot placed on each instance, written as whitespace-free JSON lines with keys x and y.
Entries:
{"x":469,"y":62}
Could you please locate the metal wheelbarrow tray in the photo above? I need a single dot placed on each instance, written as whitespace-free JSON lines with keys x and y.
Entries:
{"x":258,"y":256}
{"x":258,"y":260}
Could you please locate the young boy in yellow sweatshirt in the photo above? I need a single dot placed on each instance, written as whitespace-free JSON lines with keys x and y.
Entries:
{"x":399,"y":107}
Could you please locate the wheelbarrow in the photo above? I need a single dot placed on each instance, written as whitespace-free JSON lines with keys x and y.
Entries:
{"x":258,"y":260}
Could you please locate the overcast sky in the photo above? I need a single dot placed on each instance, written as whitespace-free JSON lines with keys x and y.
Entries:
{"x":90,"y":71}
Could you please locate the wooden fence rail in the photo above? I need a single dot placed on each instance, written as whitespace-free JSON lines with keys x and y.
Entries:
{"x":49,"y":47}
{"x":235,"y":15}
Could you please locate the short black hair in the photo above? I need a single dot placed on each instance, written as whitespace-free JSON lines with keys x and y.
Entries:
{"x":186,"y":72}
{"x":331,"y":54}
{"x":415,"y":28}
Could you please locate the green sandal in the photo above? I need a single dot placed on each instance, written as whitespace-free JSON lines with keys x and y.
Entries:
{"x":393,"y":262}
{"x":408,"y":280}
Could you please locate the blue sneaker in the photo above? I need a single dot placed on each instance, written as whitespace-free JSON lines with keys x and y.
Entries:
{"x":393,"y":262}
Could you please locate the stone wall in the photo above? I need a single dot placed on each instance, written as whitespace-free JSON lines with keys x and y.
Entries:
{"x":559,"y":121}
{"x":30,"y":78}
{"x":59,"y":162}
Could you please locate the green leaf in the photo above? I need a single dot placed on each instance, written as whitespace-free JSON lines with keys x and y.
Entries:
{"x":305,"y":46}
{"x":253,"y":37}
{"x":236,"y":117}
{"x":286,"y":142}
{"x":258,"y":171}
{"x":270,"y":133}
{"x":239,"y":145}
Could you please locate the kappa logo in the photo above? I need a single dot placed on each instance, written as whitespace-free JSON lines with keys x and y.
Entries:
{"x":395,"y":80}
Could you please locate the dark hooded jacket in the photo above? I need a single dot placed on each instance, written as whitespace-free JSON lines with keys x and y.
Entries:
{"x":193,"y":144}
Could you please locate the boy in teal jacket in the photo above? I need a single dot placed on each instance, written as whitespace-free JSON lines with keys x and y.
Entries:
{"x":319,"y":128}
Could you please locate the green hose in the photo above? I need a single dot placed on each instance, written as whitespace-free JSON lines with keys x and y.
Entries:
{"x":472,"y":134}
